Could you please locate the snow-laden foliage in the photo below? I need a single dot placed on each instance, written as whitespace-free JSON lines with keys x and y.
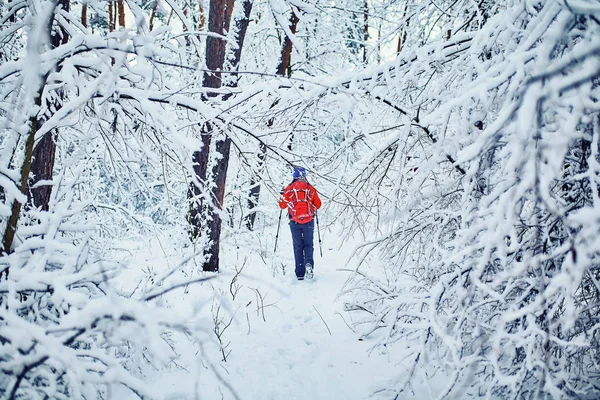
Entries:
{"x":468,"y":162}
{"x":67,"y":330}
{"x":489,"y":220}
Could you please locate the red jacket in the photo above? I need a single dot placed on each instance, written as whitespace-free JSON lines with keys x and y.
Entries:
{"x":301,"y":200}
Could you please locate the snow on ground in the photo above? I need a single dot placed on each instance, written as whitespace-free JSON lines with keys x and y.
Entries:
{"x":289,"y":339}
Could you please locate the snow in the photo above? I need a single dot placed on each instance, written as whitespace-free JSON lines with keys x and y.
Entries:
{"x":460,"y":180}
{"x":298,"y":346}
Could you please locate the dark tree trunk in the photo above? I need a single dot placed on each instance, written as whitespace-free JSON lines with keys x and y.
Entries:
{"x":220,"y":174}
{"x":84,"y":14}
{"x":34,"y":125}
{"x":11,"y":228}
{"x":42,"y":166}
{"x":111,"y":16}
{"x":201,"y":212}
{"x":242,"y":27}
{"x":403,"y":31}
{"x":200,"y":166}
{"x":365,"y":29}
{"x":284,"y":68}
{"x":121,"y":9}
{"x":153,"y":16}
{"x":42,"y":163}
{"x":215,"y":47}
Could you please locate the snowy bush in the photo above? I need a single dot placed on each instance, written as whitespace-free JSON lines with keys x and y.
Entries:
{"x":492,"y":264}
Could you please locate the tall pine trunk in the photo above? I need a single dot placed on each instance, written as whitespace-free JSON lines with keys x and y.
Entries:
{"x":42,"y":163}
{"x":202,"y":217}
{"x":26,"y":166}
{"x":365,"y":29}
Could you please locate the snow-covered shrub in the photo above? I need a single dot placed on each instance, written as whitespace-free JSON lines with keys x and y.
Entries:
{"x":492,"y":260}
{"x":66,"y":329}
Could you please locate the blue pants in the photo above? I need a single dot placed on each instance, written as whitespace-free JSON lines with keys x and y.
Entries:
{"x":302,"y":237}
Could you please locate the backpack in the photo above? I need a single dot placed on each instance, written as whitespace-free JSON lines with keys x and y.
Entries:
{"x":301,"y":208}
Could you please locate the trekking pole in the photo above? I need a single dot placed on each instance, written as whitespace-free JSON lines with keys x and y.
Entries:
{"x":278,"y":225}
{"x":319,"y":233}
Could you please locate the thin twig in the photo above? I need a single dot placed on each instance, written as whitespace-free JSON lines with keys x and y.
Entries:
{"x":327,"y":326}
{"x":343,"y":319}
{"x":153,"y":296}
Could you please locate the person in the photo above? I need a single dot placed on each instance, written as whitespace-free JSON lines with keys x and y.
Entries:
{"x":302,"y":202}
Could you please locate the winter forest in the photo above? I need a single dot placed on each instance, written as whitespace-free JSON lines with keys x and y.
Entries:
{"x":455,"y":145}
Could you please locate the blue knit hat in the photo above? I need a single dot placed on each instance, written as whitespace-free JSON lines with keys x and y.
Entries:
{"x":299,"y":172}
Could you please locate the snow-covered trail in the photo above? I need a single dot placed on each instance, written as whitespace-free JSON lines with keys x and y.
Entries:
{"x":284,"y":350}
{"x":302,"y":349}
{"x":299,"y":354}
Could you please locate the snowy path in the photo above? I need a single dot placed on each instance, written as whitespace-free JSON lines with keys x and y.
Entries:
{"x":293,"y":353}
{"x":294,"y":356}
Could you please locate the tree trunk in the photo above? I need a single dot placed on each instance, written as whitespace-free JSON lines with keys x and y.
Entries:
{"x":111,"y":16}
{"x":153,"y":16}
{"x":379,"y":42}
{"x":241,"y":27}
{"x":365,"y":29}
{"x":84,"y":15}
{"x":215,"y":47}
{"x":283,"y":68}
{"x":201,"y":212}
{"x":34,"y":123}
{"x":42,"y":163}
{"x":11,"y":228}
{"x":403,"y":31}
{"x":202,"y":16}
{"x":42,"y":166}
{"x":121,"y":9}
{"x":228,"y":13}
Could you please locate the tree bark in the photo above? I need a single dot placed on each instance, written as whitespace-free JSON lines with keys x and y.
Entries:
{"x":201,"y":212}
{"x":34,"y":123}
{"x":121,"y":9}
{"x":365,"y":29}
{"x":153,"y":16}
{"x":202,"y":16}
{"x":241,"y":27}
{"x":284,"y":68}
{"x":84,"y":15}
{"x":403,"y":31}
{"x":215,"y":47}
{"x":11,"y":228}
{"x":111,"y":16}
{"x":42,"y":163}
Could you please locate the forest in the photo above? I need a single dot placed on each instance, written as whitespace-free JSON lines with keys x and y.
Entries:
{"x":455,"y":144}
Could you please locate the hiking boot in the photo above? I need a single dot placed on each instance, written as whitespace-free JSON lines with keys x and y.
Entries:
{"x":309,"y":271}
